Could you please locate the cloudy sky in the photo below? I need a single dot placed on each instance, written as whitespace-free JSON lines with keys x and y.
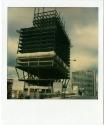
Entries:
{"x":81,"y":25}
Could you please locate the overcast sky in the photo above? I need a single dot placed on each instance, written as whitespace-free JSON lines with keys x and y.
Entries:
{"x":81,"y":25}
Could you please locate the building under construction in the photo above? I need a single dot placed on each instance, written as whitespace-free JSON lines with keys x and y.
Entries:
{"x":43,"y":53}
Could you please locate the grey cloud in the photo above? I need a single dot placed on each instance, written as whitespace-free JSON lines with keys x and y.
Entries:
{"x":11,"y":51}
{"x":85,"y":51}
{"x":18,"y":18}
{"x":12,"y":27}
{"x":79,"y":16}
{"x":11,"y":60}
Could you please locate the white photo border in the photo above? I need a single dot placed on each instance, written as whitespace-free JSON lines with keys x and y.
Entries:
{"x":73,"y":112}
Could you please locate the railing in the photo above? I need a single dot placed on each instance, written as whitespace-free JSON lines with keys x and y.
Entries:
{"x":35,"y":63}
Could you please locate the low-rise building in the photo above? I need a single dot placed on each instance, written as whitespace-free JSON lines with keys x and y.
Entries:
{"x":62,"y":85}
{"x":17,"y":89}
{"x":35,"y":91}
{"x":57,"y":87}
{"x":9,"y":88}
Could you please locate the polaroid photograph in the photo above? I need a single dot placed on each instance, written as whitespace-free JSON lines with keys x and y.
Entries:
{"x":52,"y":62}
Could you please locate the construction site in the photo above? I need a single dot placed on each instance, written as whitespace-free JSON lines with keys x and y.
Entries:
{"x":43,"y":55}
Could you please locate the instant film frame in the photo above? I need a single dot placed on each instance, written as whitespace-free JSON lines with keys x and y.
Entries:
{"x":52,"y":111}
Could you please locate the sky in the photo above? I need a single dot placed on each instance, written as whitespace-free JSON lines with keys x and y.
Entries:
{"x":81,"y":25}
